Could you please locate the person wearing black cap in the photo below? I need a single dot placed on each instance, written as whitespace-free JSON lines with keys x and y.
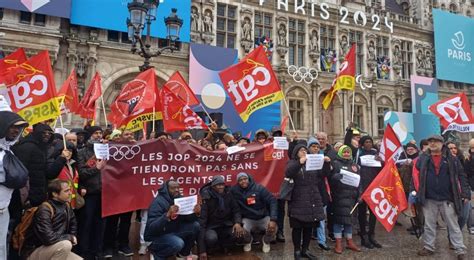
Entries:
{"x":258,"y":208}
{"x":367,"y":175}
{"x":220,"y":220}
{"x":443,"y":188}
{"x":90,"y":218}
{"x":82,"y":137}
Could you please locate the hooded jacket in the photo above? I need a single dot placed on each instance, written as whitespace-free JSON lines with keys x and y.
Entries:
{"x":306,"y":204}
{"x":469,"y":169}
{"x":157,"y":223}
{"x":255,"y":201}
{"x":89,"y":175}
{"x":344,"y":197}
{"x":7,"y":119}
{"x":33,"y":153}
{"x":367,"y":174}
{"x":323,"y":174}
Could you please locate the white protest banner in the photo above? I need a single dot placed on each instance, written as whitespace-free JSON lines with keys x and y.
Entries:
{"x":280,"y":143}
{"x":101,"y":151}
{"x":369,"y":161}
{"x":186,"y":204}
{"x":234,"y":149}
{"x":314,"y":162}
{"x":350,"y":178}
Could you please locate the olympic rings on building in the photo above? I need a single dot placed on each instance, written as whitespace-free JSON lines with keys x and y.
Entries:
{"x":305,"y":74}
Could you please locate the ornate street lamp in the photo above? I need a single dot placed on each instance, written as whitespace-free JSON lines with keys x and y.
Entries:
{"x":142,"y":13}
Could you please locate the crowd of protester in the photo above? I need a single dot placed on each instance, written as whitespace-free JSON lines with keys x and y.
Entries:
{"x":64,"y":189}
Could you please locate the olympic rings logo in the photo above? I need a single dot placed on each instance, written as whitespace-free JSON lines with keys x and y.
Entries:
{"x":124,"y":152}
{"x":305,"y":74}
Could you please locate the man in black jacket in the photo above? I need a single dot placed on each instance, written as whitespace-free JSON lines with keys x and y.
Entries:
{"x":259,"y":210}
{"x":33,"y":153}
{"x":221,"y":220}
{"x":170,"y":234}
{"x":443,"y":189}
{"x":90,"y":218}
{"x":52,"y":233}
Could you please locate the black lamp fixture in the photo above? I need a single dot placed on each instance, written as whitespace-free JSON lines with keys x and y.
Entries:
{"x":142,"y":14}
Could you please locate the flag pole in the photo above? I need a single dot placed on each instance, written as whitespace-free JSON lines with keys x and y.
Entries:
{"x":61,"y":123}
{"x":154,"y":119}
{"x":103,"y":108}
{"x":353,"y":104}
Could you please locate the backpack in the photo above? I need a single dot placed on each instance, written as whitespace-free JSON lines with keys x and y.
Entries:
{"x":20,"y":232}
{"x":16,"y":174}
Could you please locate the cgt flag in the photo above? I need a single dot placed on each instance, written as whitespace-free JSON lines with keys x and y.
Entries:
{"x":385,"y":196}
{"x":454,"y":113}
{"x":134,"y":105}
{"x":87,"y":104}
{"x":68,"y":94}
{"x":181,"y":89}
{"x":31,"y":91}
{"x":251,"y":83}
{"x":11,"y":61}
{"x":391,"y":146}
{"x":345,"y":78}
{"x":177,"y":115}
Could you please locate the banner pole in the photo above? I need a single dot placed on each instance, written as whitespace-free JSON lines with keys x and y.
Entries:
{"x":353,"y":104}
{"x":61,"y":123}
{"x":357,"y":204}
{"x":289,"y":115}
{"x":103,"y":108}
{"x":154,"y":119}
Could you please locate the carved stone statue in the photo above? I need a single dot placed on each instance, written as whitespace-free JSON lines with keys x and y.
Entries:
{"x":344,"y":46}
{"x":282,"y":35}
{"x":207,"y":22}
{"x":396,"y":59}
{"x":371,"y":51}
{"x":428,"y":62}
{"x":195,"y":19}
{"x":420,"y":60}
{"x":314,"y":45}
{"x":247,"y":30}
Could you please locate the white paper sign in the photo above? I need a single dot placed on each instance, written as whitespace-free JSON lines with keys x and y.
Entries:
{"x":314,"y":162}
{"x":369,"y":161}
{"x":234,"y":149}
{"x":101,"y":151}
{"x":280,"y":143}
{"x":186,"y":205}
{"x":350,"y":178}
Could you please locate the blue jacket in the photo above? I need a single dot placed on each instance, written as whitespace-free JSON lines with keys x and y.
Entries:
{"x":157,"y":223}
{"x":264,"y":205}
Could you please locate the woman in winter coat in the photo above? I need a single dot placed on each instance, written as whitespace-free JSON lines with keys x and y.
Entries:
{"x":305,"y":208}
{"x":344,"y":197}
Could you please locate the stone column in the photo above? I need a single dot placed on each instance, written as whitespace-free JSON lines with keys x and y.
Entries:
{"x":373,"y":111}
{"x":316,"y":106}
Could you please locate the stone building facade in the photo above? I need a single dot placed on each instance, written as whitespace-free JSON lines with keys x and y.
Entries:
{"x":394,"y":40}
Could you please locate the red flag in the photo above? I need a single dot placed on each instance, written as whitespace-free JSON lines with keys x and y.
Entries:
{"x":94,"y":92}
{"x":249,"y":135}
{"x":385,"y":196}
{"x":181,"y":89}
{"x":251,"y":83}
{"x":138,"y":97}
{"x":177,"y":115}
{"x":11,"y":61}
{"x":69,"y":92}
{"x":391,"y":146}
{"x":284,"y":122}
{"x":454,"y":113}
{"x":345,"y":78}
{"x":31,"y":91}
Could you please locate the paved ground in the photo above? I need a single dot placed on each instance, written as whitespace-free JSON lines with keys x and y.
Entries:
{"x":396,"y":245}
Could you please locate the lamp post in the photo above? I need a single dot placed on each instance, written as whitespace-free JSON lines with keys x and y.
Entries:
{"x":142,"y":14}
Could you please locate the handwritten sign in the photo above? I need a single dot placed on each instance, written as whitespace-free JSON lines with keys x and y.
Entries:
{"x":369,"y":161}
{"x":350,"y":178}
{"x":280,"y":143}
{"x":186,"y":205}
{"x":101,"y":151}
{"x":314,"y":162}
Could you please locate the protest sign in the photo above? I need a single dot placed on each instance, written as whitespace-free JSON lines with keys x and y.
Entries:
{"x":369,"y":161}
{"x":101,"y":151}
{"x":314,"y":162}
{"x":280,"y":143}
{"x":350,"y":178}
{"x":134,"y":172}
{"x":186,"y":204}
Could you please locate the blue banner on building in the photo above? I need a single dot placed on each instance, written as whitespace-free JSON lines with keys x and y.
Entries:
{"x":454,"y":46}
{"x":112,"y":15}
{"x":59,"y":8}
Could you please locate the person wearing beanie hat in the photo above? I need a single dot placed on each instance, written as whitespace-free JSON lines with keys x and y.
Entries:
{"x":258,"y":208}
{"x":261,"y":136}
{"x":368,"y":174}
{"x":221,"y":219}
{"x":115,"y":135}
{"x":352,"y":137}
{"x":344,"y":197}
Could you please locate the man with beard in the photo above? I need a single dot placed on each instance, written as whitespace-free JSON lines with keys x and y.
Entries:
{"x":220,"y":220}
{"x":170,"y":234}
{"x":90,"y":218}
{"x":11,"y":126}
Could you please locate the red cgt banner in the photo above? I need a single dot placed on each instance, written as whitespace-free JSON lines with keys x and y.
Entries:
{"x":135,"y":172}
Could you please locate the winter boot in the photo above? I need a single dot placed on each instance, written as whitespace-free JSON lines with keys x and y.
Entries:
{"x":374,"y":242}
{"x":338,"y":247}
{"x":351,"y":245}
{"x":364,"y":241}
